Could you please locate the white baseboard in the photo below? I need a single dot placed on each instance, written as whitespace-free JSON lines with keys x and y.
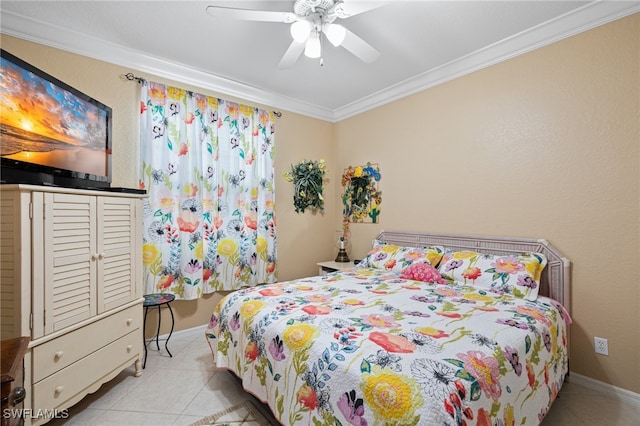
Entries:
{"x":185,"y":331}
{"x":202,"y":328}
{"x":613,"y":391}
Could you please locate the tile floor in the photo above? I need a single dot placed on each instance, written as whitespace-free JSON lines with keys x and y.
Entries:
{"x":185,"y":388}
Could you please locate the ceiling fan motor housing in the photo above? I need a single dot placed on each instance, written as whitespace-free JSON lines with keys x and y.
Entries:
{"x":307,"y":7}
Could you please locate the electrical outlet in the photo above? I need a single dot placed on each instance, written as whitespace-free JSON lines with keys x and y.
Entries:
{"x":602,"y":346}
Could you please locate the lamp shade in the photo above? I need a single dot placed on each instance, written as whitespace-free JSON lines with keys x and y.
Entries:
{"x":312,"y":48}
{"x":300,"y":30}
{"x":335,"y":33}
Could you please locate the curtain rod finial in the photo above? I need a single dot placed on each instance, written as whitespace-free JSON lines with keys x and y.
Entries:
{"x":130,"y":76}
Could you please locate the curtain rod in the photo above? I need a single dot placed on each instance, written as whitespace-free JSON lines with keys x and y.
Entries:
{"x":131,"y":77}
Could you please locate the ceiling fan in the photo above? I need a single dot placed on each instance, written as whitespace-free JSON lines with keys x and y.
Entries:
{"x":310,"y":21}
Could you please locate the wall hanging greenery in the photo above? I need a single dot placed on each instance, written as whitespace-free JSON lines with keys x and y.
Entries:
{"x":361,"y":198}
{"x":307,"y":177}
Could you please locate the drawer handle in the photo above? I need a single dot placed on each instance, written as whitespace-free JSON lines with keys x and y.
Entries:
{"x":58,"y":390}
{"x":129,"y":321}
{"x":101,"y":256}
{"x":94,"y":257}
{"x":129,"y":348}
{"x":58,"y":355}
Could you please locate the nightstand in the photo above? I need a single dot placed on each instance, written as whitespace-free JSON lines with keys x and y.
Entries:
{"x":333,"y":266}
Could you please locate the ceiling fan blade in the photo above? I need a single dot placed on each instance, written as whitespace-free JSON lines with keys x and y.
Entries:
{"x":345,"y":9}
{"x":291,"y":55}
{"x":359,"y":47}
{"x":251,"y":15}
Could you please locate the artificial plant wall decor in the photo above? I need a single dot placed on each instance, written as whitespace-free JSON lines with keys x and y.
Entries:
{"x":361,"y":198}
{"x":308,"y":178}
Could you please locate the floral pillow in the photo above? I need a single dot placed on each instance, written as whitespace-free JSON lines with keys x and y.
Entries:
{"x":396,"y":258}
{"x":516,"y":274}
{"x":422,"y":271}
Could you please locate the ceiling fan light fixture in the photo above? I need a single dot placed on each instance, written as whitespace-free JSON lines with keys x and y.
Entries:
{"x":310,"y":22}
{"x":312,"y":48}
{"x":300,"y":30}
{"x":335,"y":33}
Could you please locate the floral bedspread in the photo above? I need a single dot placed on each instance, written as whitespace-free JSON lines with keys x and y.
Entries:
{"x":365,"y":347}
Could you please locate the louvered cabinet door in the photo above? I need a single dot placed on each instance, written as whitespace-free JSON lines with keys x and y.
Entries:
{"x":15,"y":263}
{"x":117,"y":252}
{"x":70,"y":259}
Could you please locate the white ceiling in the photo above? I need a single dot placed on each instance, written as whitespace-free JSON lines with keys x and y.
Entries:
{"x":422,"y":43}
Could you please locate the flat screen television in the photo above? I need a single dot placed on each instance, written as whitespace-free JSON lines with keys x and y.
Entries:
{"x":51,"y":133}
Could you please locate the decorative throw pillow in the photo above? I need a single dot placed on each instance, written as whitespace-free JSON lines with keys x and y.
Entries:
{"x":516,"y":274}
{"x":380,"y":256}
{"x":422,"y":271}
{"x":395,"y":258}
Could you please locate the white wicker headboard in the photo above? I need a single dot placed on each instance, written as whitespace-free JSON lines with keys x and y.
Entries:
{"x":556,"y":278}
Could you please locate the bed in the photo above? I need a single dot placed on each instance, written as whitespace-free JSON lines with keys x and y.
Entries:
{"x":429,"y":329}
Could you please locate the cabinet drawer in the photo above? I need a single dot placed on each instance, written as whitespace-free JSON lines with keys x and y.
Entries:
{"x":56,"y":389}
{"x":56,"y":354}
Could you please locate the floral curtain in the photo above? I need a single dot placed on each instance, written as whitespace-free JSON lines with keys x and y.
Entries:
{"x":207,"y":166}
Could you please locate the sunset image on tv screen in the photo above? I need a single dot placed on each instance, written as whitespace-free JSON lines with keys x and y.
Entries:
{"x":45,"y":124}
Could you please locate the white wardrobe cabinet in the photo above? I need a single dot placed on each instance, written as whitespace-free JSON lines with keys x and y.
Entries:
{"x":71,"y":268}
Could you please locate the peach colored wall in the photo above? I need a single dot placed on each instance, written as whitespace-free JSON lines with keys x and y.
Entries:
{"x":545,"y":145}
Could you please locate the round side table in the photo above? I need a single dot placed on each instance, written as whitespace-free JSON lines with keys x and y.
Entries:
{"x":151,"y":301}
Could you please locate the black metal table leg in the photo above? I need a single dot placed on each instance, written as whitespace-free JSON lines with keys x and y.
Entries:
{"x":158,"y":330}
{"x":166,"y":342}
{"x":144,"y":340}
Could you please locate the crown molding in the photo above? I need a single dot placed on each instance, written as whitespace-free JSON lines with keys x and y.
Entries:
{"x":588,"y":17}
{"x":585,"y":18}
{"x":61,"y":38}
